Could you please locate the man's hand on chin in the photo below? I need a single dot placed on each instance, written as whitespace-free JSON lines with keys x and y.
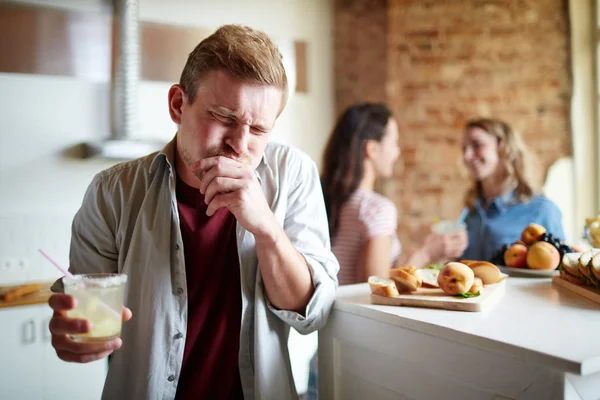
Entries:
{"x":232,"y":184}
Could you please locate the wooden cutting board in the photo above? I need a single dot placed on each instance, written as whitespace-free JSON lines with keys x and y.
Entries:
{"x":436,"y":298}
{"x":588,"y":292}
{"x":38,"y":297}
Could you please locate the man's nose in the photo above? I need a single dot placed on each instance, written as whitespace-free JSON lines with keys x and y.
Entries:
{"x":237,"y":138}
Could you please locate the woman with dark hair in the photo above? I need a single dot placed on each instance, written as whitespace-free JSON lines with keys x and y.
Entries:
{"x":362,"y":148}
{"x":502,"y":200}
{"x":362,"y":223}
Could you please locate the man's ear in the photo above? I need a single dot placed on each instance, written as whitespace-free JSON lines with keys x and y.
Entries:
{"x":371,"y":148}
{"x":176,"y":101}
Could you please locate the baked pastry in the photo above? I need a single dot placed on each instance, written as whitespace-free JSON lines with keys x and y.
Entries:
{"x":383,"y":287}
{"x":429,"y":277}
{"x":406,"y":279}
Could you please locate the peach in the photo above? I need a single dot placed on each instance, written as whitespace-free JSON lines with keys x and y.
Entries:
{"x":456,"y":278}
{"x":477,"y":285}
{"x":532,"y":233}
{"x":487,"y":272}
{"x":543,"y":256}
{"x":516,"y":256}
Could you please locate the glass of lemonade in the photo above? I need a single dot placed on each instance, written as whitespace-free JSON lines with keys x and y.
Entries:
{"x":100,"y":301}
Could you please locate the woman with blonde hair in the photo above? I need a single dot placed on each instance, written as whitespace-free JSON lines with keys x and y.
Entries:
{"x":502,"y":200}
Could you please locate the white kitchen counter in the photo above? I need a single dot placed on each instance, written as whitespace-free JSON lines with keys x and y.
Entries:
{"x":537,"y":342}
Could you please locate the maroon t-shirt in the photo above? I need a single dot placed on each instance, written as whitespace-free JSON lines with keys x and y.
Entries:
{"x":210,"y":359}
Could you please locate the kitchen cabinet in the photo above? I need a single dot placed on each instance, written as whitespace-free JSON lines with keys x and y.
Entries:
{"x":537,"y":342}
{"x":20,"y":365}
{"x":29,"y":367}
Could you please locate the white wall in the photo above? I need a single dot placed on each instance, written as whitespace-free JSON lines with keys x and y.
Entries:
{"x":41,"y":116}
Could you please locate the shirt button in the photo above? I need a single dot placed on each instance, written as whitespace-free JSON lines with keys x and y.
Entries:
{"x":178,"y":335}
{"x":171,"y":378}
{"x":177,"y":246}
{"x":179,"y":291}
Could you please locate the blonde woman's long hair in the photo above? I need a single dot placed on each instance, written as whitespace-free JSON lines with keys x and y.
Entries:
{"x":510,"y":152}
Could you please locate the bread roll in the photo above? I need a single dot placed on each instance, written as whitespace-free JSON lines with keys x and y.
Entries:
{"x":429,"y":277}
{"x":594,"y":267}
{"x":584,"y":260}
{"x":571,"y":278}
{"x":406,"y":279}
{"x":383,"y":287}
{"x":570,"y":265}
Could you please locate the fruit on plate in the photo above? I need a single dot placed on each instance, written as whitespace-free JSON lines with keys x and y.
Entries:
{"x":406,"y":279}
{"x":383,"y":287}
{"x":487,"y":272}
{"x":456,"y":278}
{"x":477,"y":285}
{"x":532,"y":233}
{"x":543,"y":256}
{"x":516,"y":255}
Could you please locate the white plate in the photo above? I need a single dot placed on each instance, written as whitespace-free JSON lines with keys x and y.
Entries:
{"x":528,"y":273}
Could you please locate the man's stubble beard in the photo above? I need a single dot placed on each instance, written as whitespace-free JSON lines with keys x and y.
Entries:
{"x":214,"y":152}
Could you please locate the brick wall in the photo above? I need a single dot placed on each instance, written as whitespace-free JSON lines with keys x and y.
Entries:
{"x":438,"y":63}
{"x":360,"y":51}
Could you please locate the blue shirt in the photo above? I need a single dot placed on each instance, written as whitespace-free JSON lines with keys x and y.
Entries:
{"x":503,"y":222}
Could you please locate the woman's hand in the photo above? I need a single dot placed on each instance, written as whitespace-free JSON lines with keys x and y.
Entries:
{"x":444,"y":247}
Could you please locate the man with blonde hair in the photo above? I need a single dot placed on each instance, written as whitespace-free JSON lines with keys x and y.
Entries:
{"x":223,"y":237}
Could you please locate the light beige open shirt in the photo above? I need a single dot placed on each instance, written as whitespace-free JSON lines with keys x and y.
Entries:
{"x":129,"y":223}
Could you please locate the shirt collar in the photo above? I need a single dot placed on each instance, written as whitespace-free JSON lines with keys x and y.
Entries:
{"x":501,"y":203}
{"x":167,"y":154}
{"x":263,"y":167}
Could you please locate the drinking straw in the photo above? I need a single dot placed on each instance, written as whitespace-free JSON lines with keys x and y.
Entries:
{"x":61,"y":269}
{"x":70,"y":275}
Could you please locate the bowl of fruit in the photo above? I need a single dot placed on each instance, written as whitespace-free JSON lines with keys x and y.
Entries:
{"x":537,"y":254}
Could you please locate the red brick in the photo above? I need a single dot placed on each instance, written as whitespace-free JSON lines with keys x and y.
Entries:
{"x":432,"y":34}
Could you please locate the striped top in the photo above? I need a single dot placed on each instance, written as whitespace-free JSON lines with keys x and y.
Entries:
{"x":365,"y":215}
